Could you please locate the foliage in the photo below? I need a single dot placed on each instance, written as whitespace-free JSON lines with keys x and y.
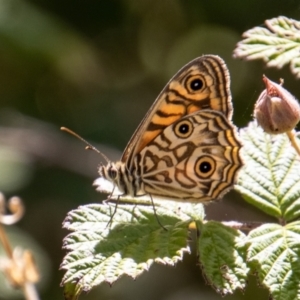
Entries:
{"x":270,"y":178}
{"x":278,"y":43}
{"x":101,"y":251}
{"x":106,"y":243}
{"x":135,"y":240}
{"x":66,"y":66}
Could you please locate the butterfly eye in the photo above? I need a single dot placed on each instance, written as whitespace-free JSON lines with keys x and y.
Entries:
{"x":205,"y":166}
{"x":112,"y":173}
{"x":183,"y":129}
{"x":194,"y":83}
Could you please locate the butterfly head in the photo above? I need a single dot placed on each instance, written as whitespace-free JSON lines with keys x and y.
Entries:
{"x":116,"y":174}
{"x":110,"y":171}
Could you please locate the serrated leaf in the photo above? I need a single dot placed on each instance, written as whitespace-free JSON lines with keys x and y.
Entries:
{"x":129,"y":246}
{"x":278,"y":44}
{"x":223,"y":257}
{"x":270,"y":178}
{"x":274,"y":252}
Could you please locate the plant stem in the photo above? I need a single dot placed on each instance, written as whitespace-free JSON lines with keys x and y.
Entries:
{"x":5,"y":242}
{"x":292,"y":137}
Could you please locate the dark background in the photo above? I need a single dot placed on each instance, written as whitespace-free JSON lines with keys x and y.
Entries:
{"x":96,"y":67}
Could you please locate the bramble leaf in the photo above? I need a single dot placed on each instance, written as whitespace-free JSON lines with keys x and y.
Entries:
{"x":270,"y":178}
{"x":278,"y":43}
{"x":132,"y":242}
{"x":274,"y":252}
{"x":222,"y":254}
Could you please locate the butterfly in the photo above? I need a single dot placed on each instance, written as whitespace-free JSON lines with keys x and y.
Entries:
{"x":186,"y":147}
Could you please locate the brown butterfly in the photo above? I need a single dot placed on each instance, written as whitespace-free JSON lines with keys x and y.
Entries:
{"x":186,"y":148}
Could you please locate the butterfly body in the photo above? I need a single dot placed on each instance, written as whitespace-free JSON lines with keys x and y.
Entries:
{"x":186,"y":148}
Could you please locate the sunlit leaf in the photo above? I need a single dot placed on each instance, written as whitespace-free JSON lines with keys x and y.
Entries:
{"x":101,"y":251}
{"x":274,"y":252}
{"x":278,"y":44}
{"x":270,"y":179}
{"x":223,"y":257}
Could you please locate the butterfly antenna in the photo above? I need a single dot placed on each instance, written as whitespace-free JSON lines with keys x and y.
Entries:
{"x":89,"y":146}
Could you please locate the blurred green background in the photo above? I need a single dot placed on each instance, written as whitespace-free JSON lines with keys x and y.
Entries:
{"x":96,"y":66}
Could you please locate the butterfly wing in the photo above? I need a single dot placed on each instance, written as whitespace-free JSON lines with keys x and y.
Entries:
{"x":201,"y":84}
{"x":195,"y":159}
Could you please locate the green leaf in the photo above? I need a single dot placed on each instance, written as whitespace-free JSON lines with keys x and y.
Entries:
{"x":274,"y":252}
{"x":270,"y":178}
{"x":132,"y":242}
{"x":223,"y":257}
{"x":277,"y":44}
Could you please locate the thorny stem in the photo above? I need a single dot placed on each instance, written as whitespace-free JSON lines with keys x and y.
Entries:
{"x":30,"y":292}
{"x":292,"y":137}
{"x":5,"y":242}
{"x":26,"y":285}
{"x":245,"y":226}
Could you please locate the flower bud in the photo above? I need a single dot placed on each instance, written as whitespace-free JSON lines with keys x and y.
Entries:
{"x":276,"y":110}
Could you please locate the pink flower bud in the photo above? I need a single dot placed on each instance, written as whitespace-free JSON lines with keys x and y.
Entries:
{"x":276,"y":110}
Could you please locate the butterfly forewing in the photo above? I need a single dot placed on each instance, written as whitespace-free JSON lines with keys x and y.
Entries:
{"x":201,"y":84}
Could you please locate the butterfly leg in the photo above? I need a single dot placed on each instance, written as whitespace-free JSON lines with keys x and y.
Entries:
{"x":156,"y":216}
{"x":115,"y":209}
{"x":116,"y":201}
{"x":109,"y":199}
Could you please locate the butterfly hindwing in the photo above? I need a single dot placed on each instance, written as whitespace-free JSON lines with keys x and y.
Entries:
{"x":194,"y":159}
